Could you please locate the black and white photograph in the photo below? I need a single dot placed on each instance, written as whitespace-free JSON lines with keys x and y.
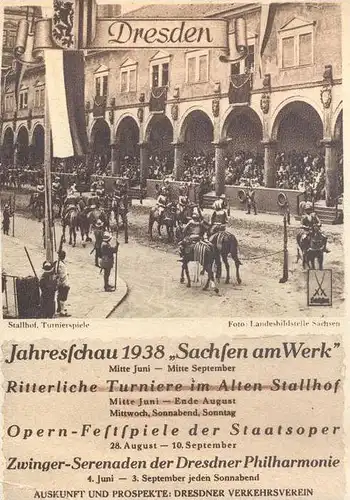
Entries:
{"x":172,"y":160}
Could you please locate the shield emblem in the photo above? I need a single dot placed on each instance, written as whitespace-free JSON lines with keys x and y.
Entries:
{"x":63,"y":24}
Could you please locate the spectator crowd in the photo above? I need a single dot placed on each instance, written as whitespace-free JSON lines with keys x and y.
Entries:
{"x":294,"y":170}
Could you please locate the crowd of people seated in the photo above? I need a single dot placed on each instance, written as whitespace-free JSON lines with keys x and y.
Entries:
{"x":294,"y":170}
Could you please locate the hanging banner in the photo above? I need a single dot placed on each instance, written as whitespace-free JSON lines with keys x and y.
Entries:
{"x":160,"y":33}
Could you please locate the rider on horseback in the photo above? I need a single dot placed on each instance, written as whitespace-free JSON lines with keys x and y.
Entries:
{"x":183,"y":202}
{"x":219,"y":218}
{"x":193,"y":232}
{"x":311,"y":224}
{"x":71,"y":202}
{"x":162,"y":202}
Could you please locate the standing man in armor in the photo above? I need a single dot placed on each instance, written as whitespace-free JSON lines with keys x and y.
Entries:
{"x":98,"y":233}
{"x":6,"y":216}
{"x":107,"y":260}
{"x":251,"y":203}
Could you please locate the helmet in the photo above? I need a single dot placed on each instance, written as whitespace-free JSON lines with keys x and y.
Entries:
{"x":222,"y":197}
{"x":106,"y":236}
{"x":308,"y":205}
{"x":48,"y":266}
{"x":195,"y":216}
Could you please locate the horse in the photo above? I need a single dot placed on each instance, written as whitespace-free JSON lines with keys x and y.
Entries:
{"x":205,"y":254}
{"x":70,"y":219}
{"x":226,"y":244}
{"x":312,"y":247}
{"x":37,"y":205}
{"x":88,"y":218}
{"x":167,"y":219}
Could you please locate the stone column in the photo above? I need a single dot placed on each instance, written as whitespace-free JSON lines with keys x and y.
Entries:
{"x":220,"y":150}
{"x":144,"y":160}
{"x":269,"y":163}
{"x":178,"y":160}
{"x":15,"y":156}
{"x":115,"y":159}
{"x":331,"y":172}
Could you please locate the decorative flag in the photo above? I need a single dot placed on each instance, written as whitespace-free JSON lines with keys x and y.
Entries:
{"x":158,"y":99}
{"x":239,"y":90}
{"x":268,"y":11}
{"x":66,"y":101}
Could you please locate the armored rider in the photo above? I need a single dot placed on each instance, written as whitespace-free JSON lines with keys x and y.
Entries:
{"x":219,"y":218}
{"x":193,"y":232}
{"x":162,"y":202}
{"x":71,"y":201}
{"x":183,"y":202}
{"x":310,"y":222}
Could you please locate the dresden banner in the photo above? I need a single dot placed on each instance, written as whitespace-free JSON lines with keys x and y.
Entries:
{"x":160,"y":33}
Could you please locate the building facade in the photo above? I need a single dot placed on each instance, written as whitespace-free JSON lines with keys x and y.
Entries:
{"x":284,"y":95}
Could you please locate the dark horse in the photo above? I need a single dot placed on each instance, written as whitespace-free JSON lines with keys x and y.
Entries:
{"x":226,"y":244}
{"x":70,"y":219}
{"x":167,"y":219}
{"x":88,"y":218}
{"x":205,"y":254}
{"x":312,"y":247}
{"x":37,"y":205}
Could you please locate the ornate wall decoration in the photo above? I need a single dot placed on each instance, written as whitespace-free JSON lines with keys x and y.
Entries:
{"x":140,"y":113}
{"x":265,"y":103}
{"x":175,"y":112}
{"x":142,"y":97}
{"x":111,"y":116}
{"x":217,"y":88}
{"x":215,"y":106}
{"x":326,"y":96}
{"x":176,"y":93}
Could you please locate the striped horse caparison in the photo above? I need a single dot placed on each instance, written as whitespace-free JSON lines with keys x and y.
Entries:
{"x":205,"y":254}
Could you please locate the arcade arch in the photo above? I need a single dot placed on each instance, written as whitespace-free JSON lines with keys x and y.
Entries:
{"x":22,"y":145}
{"x":100,"y":141}
{"x":128,"y":137}
{"x":242,"y":129}
{"x":298,"y":127}
{"x":197,"y":133}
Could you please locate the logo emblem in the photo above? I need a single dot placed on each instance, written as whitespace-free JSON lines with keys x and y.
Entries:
{"x":319,"y":287}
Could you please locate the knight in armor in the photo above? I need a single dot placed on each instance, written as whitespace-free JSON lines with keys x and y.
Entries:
{"x":6,"y":216}
{"x":310,"y":222}
{"x":162,"y":202}
{"x":219,"y":218}
{"x":183,"y":202}
{"x":71,"y":201}
{"x":251,"y":203}
{"x":193,"y":231}
{"x":98,"y":233}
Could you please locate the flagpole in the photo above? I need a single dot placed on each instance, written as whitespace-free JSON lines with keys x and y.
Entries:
{"x":47,"y":182}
